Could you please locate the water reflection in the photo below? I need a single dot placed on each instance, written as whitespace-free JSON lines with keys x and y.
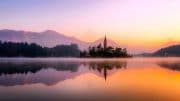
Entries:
{"x":170,"y":65}
{"x":105,"y":66}
{"x":25,"y":68}
{"x":137,"y":79}
{"x":52,"y":72}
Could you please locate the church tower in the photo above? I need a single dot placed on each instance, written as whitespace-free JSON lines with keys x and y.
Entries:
{"x":105,"y":42}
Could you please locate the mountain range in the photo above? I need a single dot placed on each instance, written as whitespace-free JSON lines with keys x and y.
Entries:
{"x":48,"y":38}
{"x":172,"y":51}
{"x":169,"y":51}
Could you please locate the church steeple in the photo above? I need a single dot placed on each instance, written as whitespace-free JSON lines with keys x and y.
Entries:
{"x":105,"y":42}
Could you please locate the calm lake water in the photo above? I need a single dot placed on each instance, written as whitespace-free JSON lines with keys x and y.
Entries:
{"x":64,"y":79}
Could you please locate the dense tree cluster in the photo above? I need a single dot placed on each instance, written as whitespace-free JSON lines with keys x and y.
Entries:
{"x":99,"y":51}
{"x":10,"y":49}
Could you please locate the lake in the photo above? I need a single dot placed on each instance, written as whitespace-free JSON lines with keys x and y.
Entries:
{"x":73,"y":79}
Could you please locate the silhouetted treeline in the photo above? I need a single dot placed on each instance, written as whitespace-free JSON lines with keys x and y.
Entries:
{"x":11,"y":49}
{"x":99,"y":51}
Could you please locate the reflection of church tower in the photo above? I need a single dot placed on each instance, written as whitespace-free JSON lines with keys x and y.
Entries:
{"x":105,"y":73}
{"x":105,"y":43}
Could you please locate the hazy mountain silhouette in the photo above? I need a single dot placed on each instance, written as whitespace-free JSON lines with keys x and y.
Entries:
{"x":173,"y":50}
{"x":170,"y":51}
{"x":101,"y":40}
{"x":48,"y":38}
{"x":143,"y":55}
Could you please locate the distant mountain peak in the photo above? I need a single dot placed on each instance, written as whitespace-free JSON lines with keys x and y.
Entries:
{"x":49,"y":38}
{"x":173,"y":50}
{"x":49,"y":31}
{"x":109,"y":42}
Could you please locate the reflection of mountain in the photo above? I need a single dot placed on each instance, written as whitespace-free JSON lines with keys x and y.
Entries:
{"x":172,"y":66}
{"x":50,"y":73}
{"x":24,"y":68}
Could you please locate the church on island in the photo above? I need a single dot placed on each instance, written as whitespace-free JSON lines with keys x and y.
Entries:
{"x":104,"y":51}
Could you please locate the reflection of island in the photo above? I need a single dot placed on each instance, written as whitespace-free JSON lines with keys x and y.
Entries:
{"x":50,"y":73}
{"x":169,"y":65}
{"x":105,"y":66}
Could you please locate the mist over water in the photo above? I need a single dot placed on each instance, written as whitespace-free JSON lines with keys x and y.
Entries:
{"x":59,"y":79}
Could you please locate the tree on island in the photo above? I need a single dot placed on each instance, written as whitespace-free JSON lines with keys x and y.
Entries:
{"x":106,"y":51}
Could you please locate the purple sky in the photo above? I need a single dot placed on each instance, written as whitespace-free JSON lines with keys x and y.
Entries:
{"x":148,"y":23}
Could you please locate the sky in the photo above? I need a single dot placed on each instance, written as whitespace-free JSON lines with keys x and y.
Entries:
{"x":140,"y":25}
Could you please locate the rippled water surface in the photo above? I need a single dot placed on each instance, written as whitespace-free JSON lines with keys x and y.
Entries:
{"x":64,"y":79}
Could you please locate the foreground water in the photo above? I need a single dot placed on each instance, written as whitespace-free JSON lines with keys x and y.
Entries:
{"x":59,"y":79}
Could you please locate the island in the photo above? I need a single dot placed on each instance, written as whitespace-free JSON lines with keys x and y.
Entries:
{"x":105,"y":51}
